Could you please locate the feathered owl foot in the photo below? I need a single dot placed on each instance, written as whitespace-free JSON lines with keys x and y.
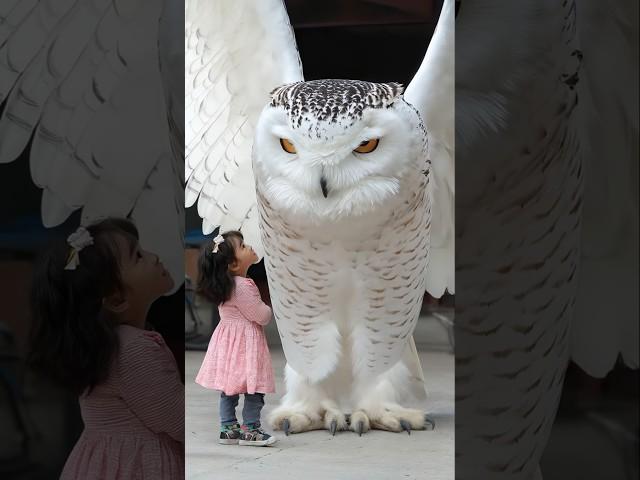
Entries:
{"x":298,"y":421}
{"x":335,"y":420}
{"x":390,"y":419}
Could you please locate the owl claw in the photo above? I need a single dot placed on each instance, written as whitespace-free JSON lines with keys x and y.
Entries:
{"x":285,"y":426}
{"x":360,"y":427}
{"x":406,"y":426}
{"x":333,"y":427}
{"x":429,"y":422}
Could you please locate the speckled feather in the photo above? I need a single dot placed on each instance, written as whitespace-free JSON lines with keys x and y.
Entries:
{"x":378,"y":277}
{"x":332,"y":101}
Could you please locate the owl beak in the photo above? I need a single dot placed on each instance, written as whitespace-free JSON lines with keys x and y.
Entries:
{"x":323,"y":186}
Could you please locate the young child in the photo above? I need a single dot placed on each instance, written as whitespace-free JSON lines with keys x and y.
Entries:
{"x":237,"y":360}
{"x":90,"y":299}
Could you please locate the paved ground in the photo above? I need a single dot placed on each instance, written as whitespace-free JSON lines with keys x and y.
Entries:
{"x":314,"y":455}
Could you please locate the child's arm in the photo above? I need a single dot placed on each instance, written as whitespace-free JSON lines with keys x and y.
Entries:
{"x":251,"y":305}
{"x":151,"y":385}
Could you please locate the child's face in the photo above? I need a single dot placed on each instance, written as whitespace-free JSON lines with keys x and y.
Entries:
{"x":245,"y":257}
{"x":143,"y":275}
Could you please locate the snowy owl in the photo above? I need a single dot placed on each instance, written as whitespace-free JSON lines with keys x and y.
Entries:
{"x":345,"y":187}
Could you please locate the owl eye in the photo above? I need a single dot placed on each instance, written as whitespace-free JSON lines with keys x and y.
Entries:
{"x":367,"y":146}
{"x":287,"y":146}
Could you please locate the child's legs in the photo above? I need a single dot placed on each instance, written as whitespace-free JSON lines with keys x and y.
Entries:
{"x":253,"y":403}
{"x":228,"y":404}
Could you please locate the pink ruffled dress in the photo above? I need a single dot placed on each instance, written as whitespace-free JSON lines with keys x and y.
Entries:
{"x":134,"y":421}
{"x":238,"y":360}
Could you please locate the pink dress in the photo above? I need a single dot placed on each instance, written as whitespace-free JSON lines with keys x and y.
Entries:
{"x":134,"y":421}
{"x":238,"y":360}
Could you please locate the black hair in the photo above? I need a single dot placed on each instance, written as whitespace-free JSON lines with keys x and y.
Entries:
{"x":73,"y":339}
{"x":214,"y":279}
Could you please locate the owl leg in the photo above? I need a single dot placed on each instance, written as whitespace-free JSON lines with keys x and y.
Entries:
{"x":379,"y":409}
{"x":305,"y":407}
{"x":359,"y":422}
{"x":396,"y":418}
{"x":392,"y":418}
{"x":334,"y":419}
{"x":295,"y":420}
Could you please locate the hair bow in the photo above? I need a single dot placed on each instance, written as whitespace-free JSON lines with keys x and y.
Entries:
{"x":216,"y":243}
{"x":77,"y":240}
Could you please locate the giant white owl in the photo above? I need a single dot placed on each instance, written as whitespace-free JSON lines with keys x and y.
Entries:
{"x":345,"y":187}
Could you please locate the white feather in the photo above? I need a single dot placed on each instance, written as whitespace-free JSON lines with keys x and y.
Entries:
{"x":236,"y":53}
{"x":607,"y":316}
{"x":81,"y":77}
{"x":432,"y":93}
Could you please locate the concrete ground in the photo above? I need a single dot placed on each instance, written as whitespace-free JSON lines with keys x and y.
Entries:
{"x":377,"y":455}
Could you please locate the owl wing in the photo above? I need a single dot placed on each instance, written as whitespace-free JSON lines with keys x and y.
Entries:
{"x":431,"y":93}
{"x":236,"y":53}
{"x":606,"y":316}
{"x":78,"y":79}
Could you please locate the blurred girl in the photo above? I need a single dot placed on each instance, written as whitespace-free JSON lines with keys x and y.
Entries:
{"x":90,"y":299}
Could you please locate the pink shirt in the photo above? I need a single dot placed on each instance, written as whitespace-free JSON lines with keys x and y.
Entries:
{"x":238,"y":360}
{"x":134,"y":421}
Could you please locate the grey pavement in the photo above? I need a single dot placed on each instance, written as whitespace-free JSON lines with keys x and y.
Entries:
{"x":377,"y":455}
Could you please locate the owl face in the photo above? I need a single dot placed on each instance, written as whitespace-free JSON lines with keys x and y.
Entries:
{"x":331,"y":149}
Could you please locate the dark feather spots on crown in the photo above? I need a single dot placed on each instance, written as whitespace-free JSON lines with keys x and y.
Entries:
{"x":327,"y":100}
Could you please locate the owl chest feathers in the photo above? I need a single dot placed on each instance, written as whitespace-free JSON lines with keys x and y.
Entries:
{"x":365,"y":275}
{"x":381,"y":240}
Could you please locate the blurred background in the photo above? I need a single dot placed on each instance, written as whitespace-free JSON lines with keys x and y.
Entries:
{"x":40,"y":422}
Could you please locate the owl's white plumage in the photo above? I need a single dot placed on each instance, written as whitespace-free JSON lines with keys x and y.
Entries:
{"x":346,"y":271}
{"x":235,"y":53}
{"x":347,"y":267}
{"x":79,"y":79}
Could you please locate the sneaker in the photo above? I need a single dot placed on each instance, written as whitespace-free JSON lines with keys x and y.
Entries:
{"x":253,"y":435}
{"x":230,"y":434}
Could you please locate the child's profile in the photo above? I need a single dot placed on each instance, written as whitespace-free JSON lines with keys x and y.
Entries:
{"x":90,"y":299}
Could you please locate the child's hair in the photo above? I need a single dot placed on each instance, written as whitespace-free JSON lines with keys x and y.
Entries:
{"x":73,"y":339}
{"x":214,"y":279}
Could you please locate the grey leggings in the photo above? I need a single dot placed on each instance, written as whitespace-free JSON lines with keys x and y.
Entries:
{"x":253,"y":403}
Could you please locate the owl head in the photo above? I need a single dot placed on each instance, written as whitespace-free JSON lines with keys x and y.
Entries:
{"x":332,"y":149}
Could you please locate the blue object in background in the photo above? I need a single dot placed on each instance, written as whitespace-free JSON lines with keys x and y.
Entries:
{"x":195,"y":237}
{"x":28,"y":235}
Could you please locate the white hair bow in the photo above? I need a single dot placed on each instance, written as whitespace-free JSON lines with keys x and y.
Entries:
{"x":216,"y":243}
{"x":77,"y":240}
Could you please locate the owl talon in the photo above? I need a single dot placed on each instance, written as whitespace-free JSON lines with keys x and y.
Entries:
{"x":429,"y":422}
{"x":285,"y":426}
{"x":406,"y":426}
{"x":333,"y":427}
{"x":360,"y":427}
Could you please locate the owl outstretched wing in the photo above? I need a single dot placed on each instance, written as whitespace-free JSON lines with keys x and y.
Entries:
{"x":606,"y":316}
{"x":82,"y":83}
{"x":237,"y":52}
{"x":431,"y":92}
